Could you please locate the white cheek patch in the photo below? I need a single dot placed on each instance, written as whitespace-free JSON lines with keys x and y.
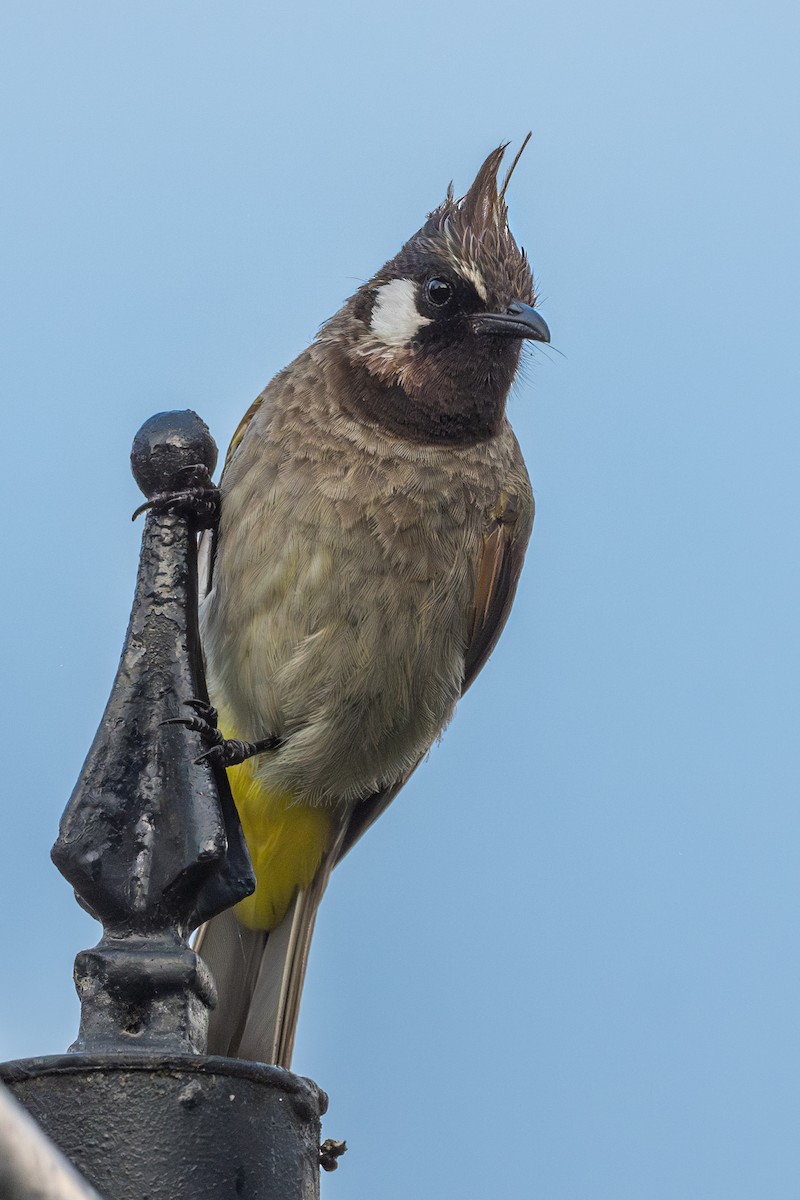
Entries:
{"x":395,"y":319}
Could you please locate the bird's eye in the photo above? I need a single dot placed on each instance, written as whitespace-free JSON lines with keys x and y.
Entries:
{"x":439,"y":292}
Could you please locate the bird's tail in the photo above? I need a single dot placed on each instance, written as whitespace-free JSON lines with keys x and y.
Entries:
{"x":259,"y":978}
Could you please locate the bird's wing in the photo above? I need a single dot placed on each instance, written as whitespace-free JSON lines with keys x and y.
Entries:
{"x":241,"y":428}
{"x":206,"y":547}
{"x":499,"y":566}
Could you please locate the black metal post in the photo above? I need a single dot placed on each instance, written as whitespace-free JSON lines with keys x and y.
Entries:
{"x":151,"y":842}
{"x":31,"y":1168}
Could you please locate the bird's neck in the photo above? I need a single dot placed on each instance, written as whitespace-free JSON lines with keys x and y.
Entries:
{"x":440,"y":413}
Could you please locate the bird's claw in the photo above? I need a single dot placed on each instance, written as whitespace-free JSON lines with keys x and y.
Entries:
{"x":205,"y":723}
{"x":199,"y":502}
{"x":227,"y":752}
{"x":204,"y":710}
{"x":222,"y":751}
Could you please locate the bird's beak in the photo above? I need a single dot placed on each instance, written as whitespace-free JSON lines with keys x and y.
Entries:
{"x":519,"y":320}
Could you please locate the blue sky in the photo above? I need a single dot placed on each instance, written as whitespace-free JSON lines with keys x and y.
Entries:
{"x":564,"y":964}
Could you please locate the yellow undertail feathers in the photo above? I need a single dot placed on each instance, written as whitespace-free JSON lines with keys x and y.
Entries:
{"x":286,"y":841}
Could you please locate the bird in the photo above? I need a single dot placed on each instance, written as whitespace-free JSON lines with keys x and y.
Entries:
{"x":375,"y":513}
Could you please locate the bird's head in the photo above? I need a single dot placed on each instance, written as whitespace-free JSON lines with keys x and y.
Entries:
{"x":438,"y":330}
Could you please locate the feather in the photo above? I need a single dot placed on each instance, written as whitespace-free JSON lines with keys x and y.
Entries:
{"x":513,"y":166}
{"x":499,"y":568}
{"x":233,"y":954}
{"x":260,"y":976}
{"x":269,"y":1033}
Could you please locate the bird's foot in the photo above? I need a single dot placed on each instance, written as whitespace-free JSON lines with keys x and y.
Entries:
{"x":199,"y":502}
{"x":224,"y":752}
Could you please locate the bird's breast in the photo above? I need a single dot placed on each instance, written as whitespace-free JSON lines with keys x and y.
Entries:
{"x":339,"y":611}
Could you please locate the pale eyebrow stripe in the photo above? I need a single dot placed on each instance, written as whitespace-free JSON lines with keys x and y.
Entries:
{"x":473,"y":276}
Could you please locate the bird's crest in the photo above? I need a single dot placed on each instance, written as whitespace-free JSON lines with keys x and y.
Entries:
{"x":476,"y":235}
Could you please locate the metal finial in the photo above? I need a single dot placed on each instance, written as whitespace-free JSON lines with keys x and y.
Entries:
{"x":150,"y":839}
